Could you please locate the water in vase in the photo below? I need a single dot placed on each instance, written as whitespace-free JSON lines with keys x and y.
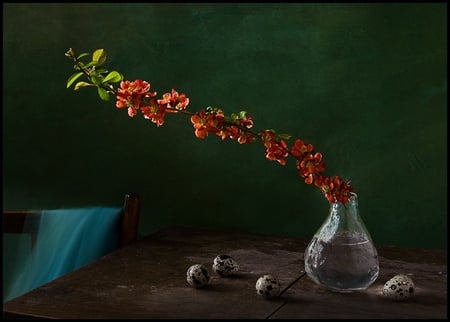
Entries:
{"x":348,"y":262}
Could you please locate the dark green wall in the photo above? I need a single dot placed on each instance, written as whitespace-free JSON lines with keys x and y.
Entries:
{"x":366,"y":84}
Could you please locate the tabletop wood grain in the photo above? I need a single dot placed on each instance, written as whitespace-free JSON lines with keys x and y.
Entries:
{"x":147,"y":279}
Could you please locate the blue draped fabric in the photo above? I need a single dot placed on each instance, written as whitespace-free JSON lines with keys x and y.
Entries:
{"x":67,"y":239}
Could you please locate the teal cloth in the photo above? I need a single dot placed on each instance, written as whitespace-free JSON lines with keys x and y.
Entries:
{"x":67,"y":239}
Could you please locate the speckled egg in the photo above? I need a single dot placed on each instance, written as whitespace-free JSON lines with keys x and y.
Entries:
{"x":197,"y":275}
{"x":399,"y":288}
{"x":268,"y":286}
{"x":225,"y":265}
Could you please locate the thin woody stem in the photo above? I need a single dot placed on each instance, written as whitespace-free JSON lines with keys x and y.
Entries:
{"x":311,"y":167}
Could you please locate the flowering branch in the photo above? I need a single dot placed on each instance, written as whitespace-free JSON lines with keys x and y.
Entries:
{"x":135,"y":96}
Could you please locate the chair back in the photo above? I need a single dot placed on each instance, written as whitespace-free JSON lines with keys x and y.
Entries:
{"x":41,"y":245}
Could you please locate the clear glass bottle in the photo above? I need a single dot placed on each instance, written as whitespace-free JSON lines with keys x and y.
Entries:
{"x":341,"y":255}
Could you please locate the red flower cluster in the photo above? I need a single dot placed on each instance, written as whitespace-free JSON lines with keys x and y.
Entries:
{"x":276,"y":149}
{"x":137,"y":96}
{"x":213,"y":120}
{"x":311,"y":167}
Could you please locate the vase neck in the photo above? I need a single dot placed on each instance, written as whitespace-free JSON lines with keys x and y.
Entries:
{"x":346,"y":216}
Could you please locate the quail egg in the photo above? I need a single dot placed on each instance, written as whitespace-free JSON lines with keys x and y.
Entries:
{"x":268,"y":286}
{"x":399,"y":288}
{"x":225,"y":265}
{"x":197,"y":275}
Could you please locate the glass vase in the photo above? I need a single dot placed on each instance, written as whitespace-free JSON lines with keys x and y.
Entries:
{"x":341,"y":256}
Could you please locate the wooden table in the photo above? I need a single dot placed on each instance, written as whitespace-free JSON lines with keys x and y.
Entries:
{"x":147,"y":279}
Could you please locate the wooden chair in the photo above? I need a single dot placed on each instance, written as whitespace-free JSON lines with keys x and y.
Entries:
{"x":34,"y":223}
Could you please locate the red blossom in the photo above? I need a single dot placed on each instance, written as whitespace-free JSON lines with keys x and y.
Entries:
{"x":131,"y":94}
{"x":235,"y":133}
{"x":246,"y":137}
{"x":236,"y":128}
{"x":335,"y":189}
{"x":277,"y":152}
{"x":310,"y":166}
{"x":268,"y":137}
{"x":154,"y":112}
{"x":199,"y":126}
{"x":246,"y":121}
{"x":174,"y":100}
{"x":300,"y":149}
{"x":205,"y":122}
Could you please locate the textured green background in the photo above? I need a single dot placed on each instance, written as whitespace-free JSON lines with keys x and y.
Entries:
{"x":366,"y":84}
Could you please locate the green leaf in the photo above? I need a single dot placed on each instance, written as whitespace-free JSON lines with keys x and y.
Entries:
{"x":284,"y":136}
{"x":242,"y":114}
{"x":113,"y":77}
{"x":81,"y":84}
{"x":97,"y":79}
{"x":99,"y":56}
{"x":73,"y":78}
{"x":103,"y":94}
{"x":90,"y":64}
{"x":82,"y":55}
